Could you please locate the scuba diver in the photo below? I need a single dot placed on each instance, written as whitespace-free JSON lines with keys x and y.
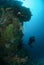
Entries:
{"x":31,"y":41}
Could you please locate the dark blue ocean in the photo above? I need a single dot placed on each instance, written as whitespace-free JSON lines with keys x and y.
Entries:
{"x":35,"y":27}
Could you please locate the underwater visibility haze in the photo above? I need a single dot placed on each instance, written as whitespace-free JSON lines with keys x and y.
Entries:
{"x":21,"y":32}
{"x":35,"y":27}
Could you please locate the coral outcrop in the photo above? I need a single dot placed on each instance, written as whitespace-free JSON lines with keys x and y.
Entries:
{"x":12,"y":16}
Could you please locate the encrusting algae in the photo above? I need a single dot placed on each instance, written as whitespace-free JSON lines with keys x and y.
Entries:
{"x":11,"y":23}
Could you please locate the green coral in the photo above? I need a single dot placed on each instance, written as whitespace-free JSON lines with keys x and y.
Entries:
{"x":11,"y":23}
{"x":8,"y":33}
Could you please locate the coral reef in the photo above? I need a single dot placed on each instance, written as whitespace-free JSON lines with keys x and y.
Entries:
{"x":12,"y":16}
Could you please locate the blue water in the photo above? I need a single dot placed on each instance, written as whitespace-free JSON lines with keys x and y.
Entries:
{"x":35,"y":27}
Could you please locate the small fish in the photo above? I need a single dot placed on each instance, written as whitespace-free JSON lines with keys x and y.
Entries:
{"x":19,"y":13}
{"x":31,"y":41}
